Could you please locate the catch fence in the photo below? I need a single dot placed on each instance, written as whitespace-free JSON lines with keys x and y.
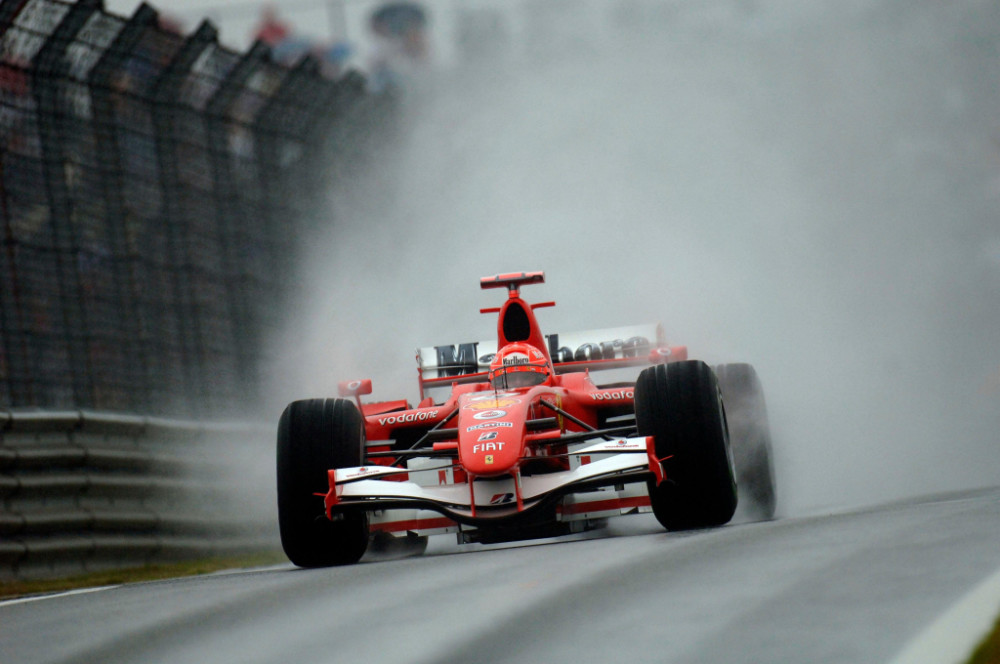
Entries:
{"x":153,"y":188}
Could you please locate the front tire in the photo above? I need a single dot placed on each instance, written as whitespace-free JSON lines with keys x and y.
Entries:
{"x":679,"y":404}
{"x":314,"y":436}
{"x":750,"y":434}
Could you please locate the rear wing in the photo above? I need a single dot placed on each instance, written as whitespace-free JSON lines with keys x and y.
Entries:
{"x":610,"y":348}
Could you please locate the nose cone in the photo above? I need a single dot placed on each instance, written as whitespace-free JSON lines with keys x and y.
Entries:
{"x":491,"y":432}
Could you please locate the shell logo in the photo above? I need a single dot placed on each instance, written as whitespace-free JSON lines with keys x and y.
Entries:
{"x":491,"y":403}
{"x":489,"y":414}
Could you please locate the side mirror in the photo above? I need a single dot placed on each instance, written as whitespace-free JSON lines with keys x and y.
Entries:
{"x":354,"y":388}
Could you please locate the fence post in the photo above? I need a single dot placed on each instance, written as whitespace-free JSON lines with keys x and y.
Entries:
{"x":48,"y":67}
{"x":279,"y":152}
{"x":224,"y":145}
{"x":309,"y":181}
{"x":337,"y":105}
{"x":40,"y":371}
{"x":13,"y":342}
{"x":165,"y":108}
{"x":144,"y":367}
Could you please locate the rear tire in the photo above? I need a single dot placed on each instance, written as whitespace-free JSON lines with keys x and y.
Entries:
{"x":314,"y":436}
{"x":750,"y":435}
{"x":679,"y":404}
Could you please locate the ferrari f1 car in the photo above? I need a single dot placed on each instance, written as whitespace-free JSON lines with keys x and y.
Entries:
{"x":524,"y":444}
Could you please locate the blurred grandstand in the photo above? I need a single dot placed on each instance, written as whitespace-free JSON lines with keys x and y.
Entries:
{"x":153,"y":185}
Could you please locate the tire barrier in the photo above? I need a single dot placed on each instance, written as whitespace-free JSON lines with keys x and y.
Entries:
{"x":83,"y":491}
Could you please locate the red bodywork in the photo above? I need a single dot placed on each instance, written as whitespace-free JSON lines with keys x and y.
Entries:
{"x":489,"y":440}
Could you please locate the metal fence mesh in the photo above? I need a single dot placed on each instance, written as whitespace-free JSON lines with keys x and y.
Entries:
{"x":152,"y":185}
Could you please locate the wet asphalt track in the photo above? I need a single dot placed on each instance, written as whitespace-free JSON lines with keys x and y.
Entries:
{"x":852,"y":587}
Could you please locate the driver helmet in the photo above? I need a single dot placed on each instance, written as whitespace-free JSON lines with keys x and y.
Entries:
{"x":519,"y":365}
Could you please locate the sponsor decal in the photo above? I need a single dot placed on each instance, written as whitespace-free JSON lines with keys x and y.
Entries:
{"x":513,"y":359}
{"x":487,"y":447}
{"x":489,"y":425}
{"x":492,"y":403}
{"x":462,"y":358}
{"x":626,"y":445}
{"x":491,"y":395}
{"x":412,"y":416}
{"x":489,"y":458}
{"x":360,"y":472}
{"x":502,"y":499}
{"x":603,"y":350}
{"x":611,"y":396}
{"x":488,"y":435}
{"x":489,"y":414}
{"x":456,"y":361}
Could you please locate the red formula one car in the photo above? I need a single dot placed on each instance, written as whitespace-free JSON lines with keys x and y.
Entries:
{"x":525,"y":444}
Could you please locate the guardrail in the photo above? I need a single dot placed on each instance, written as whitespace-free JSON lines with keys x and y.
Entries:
{"x":81,"y":491}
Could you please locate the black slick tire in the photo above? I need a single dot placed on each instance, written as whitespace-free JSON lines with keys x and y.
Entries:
{"x":314,"y":436}
{"x":679,"y":404}
{"x":750,"y":436}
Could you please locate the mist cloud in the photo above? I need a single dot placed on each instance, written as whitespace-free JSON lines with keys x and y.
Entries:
{"x":810,"y":187}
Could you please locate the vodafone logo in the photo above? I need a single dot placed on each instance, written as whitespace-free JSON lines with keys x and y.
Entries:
{"x":408,"y":417}
{"x":489,"y":414}
{"x":612,"y":396}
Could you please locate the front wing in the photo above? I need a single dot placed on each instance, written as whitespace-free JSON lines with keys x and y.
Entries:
{"x":502,"y":500}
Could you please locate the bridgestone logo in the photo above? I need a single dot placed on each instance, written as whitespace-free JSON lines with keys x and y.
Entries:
{"x":612,"y":396}
{"x":416,"y":416}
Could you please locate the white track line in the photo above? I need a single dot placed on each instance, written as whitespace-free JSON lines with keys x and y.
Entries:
{"x":953,"y":636}
{"x":36,"y":598}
